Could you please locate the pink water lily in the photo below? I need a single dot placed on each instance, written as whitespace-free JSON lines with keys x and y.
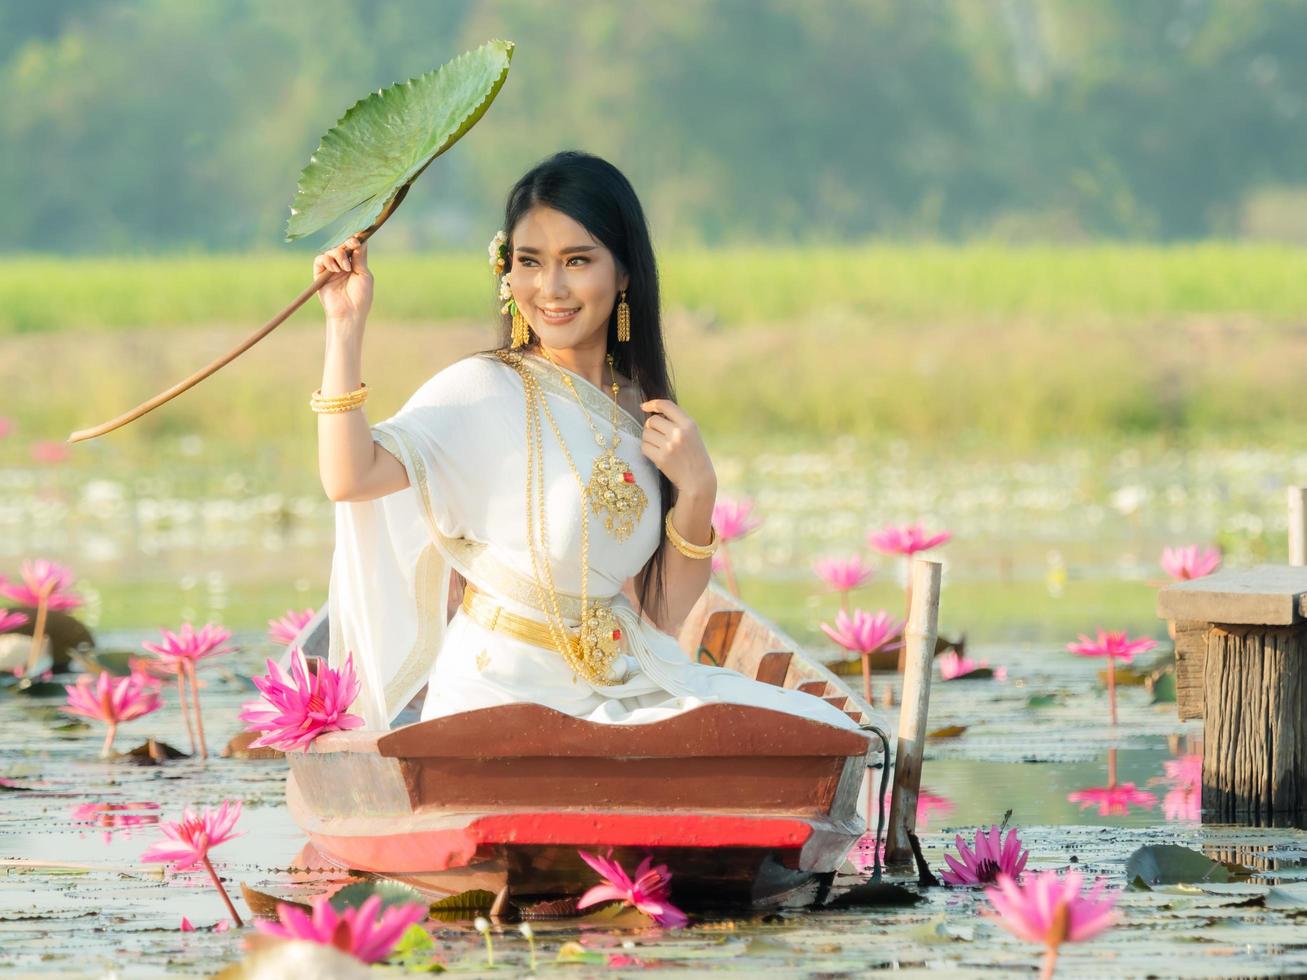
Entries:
{"x":6,"y":426}
{"x":112,"y":700}
{"x":188,"y":841}
{"x":865,"y":633}
{"x":1113,"y":646}
{"x":46,"y":587}
{"x":180,"y":653}
{"x":297,"y":708}
{"x":11,"y":620}
{"x":285,"y":629}
{"x":358,"y":931}
{"x":906,"y":539}
{"x":1051,"y":909}
{"x":648,"y":892}
{"x":1114,"y":800}
{"x":843,"y":575}
{"x":49,"y":451}
{"x":994,"y":855}
{"x":1190,"y":562}
{"x":734,"y":519}
{"x":731,"y":519}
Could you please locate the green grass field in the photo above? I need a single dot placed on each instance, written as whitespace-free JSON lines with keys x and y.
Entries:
{"x":737,"y":287}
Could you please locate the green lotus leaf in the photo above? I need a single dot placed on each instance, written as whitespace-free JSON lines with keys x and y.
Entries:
{"x":366,"y":162}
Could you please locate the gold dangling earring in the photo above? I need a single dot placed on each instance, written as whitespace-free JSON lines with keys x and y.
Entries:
{"x":521,"y":329}
{"x":623,"y":320}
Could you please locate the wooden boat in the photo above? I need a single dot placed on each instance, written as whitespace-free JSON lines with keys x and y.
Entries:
{"x":744,"y":804}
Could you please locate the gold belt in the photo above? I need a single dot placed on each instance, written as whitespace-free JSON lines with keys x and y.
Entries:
{"x":601,"y":634}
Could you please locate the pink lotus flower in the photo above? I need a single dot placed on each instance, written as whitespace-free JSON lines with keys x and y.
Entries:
{"x":186,"y":646}
{"x":906,"y":540}
{"x":49,"y":451}
{"x":357,"y":931}
{"x":180,"y":654}
{"x":992,"y":857}
{"x":6,"y":426}
{"x":648,"y":892}
{"x":112,"y":700}
{"x":189,"y":840}
{"x":1050,"y":910}
{"x":953,"y":666}
{"x":296,"y":709}
{"x":733,"y":519}
{"x":285,"y":630}
{"x":1117,"y":646}
{"x":186,"y":925}
{"x":1187,"y":563}
{"x":865,"y":633}
{"x":1113,"y":646}
{"x":1114,"y":800}
{"x":43,"y":580}
{"x":10,"y":620}
{"x":843,"y":574}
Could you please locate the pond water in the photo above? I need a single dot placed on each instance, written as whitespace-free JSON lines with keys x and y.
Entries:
{"x":75,"y":899}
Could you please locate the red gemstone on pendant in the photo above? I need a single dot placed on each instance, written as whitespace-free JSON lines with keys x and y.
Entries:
{"x":617,"y":634}
{"x":628,"y":476}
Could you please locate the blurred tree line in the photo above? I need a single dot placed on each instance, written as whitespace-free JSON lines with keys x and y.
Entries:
{"x":145,"y":125}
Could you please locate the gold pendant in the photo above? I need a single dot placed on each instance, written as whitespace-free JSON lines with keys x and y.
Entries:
{"x":599,"y":641}
{"x":614,"y":493}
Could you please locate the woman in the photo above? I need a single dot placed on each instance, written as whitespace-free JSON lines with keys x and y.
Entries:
{"x":515,"y":469}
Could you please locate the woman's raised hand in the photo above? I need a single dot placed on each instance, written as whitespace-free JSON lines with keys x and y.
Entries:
{"x":347,"y":295}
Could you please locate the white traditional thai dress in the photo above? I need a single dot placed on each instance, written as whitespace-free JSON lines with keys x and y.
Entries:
{"x":462,"y":440}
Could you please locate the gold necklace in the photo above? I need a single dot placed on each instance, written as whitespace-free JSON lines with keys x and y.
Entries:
{"x":612,"y":490}
{"x":592,"y":651}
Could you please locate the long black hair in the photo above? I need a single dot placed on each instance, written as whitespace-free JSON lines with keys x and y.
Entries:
{"x":596,"y":195}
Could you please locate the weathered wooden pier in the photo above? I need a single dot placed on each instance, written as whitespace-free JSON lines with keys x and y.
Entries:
{"x":1241,"y":654}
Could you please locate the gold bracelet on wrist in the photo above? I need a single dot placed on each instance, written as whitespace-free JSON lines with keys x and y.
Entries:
{"x":696,"y":551}
{"x":326,"y":405}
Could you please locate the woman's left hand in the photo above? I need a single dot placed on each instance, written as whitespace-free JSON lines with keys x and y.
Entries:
{"x":672,"y":442}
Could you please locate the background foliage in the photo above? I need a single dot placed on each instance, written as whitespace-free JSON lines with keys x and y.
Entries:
{"x":153,"y":125}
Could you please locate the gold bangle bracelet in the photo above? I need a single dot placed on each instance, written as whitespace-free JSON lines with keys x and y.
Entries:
{"x":696,"y":551}
{"x":338,"y":403}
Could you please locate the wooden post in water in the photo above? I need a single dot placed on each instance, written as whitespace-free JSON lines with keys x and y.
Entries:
{"x":919,"y":651}
{"x":1298,"y":525}
{"x":1241,"y":650}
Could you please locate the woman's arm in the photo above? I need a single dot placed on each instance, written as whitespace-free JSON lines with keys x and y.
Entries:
{"x":672,"y":441}
{"x":350,"y":465}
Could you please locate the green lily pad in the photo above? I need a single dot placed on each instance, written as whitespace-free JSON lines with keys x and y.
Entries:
{"x":1171,"y":864}
{"x":1041,"y":701}
{"x":391,"y":892}
{"x":875,"y":893}
{"x":1162,"y":686}
{"x":365,"y":164}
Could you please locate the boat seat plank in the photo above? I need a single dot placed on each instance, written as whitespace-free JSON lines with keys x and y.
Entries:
{"x":533,"y":730}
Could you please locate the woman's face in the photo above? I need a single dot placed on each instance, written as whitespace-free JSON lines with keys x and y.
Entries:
{"x":564,"y":280}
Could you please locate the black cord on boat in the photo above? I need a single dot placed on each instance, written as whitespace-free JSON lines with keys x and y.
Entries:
{"x":881,"y":807}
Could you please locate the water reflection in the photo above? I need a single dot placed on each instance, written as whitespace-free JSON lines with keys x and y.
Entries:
{"x":1115,"y":799}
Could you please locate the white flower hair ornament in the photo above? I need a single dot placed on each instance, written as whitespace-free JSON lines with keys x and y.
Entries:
{"x":498,"y":259}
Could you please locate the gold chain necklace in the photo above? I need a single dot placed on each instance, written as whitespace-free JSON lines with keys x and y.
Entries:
{"x":612,"y":490}
{"x":593,"y":650}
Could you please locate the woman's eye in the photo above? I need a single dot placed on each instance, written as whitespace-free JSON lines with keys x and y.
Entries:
{"x":576,"y":258}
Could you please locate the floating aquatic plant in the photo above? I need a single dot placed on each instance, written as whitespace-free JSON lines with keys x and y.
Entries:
{"x":112,"y":700}
{"x":359,"y":930}
{"x":994,"y":855}
{"x":1051,"y":909}
{"x":954,"y":666}
{"x":180,"y":653}
{"x":648,"y":891}
{"x":296,"y":708}
{"x":45,"y":586}
{"x":188,"y":842}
